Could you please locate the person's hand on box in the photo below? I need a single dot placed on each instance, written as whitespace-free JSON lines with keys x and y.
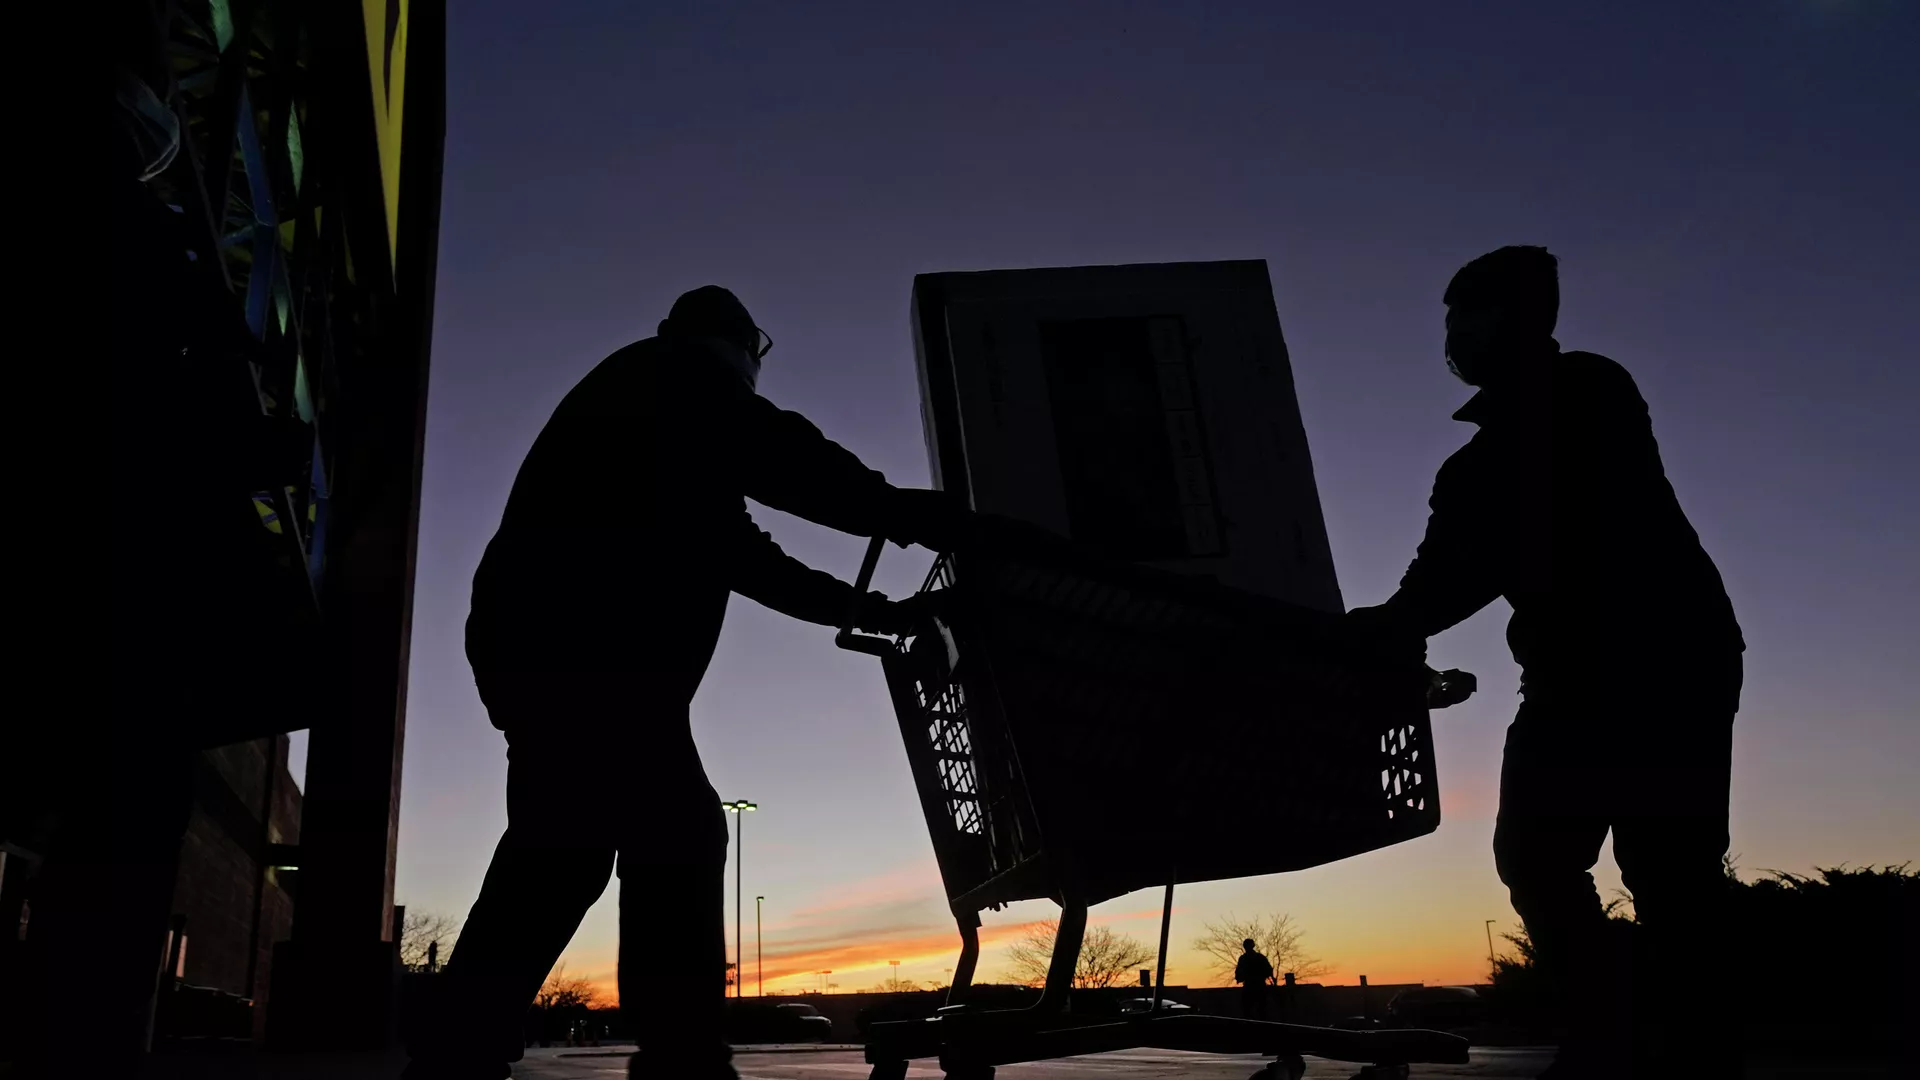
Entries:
{"x":1380,"y":633}
{"x":937,"y":520}
{"x":897,"y":618}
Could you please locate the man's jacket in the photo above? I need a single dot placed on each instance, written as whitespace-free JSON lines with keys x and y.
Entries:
{"x":627,"y":525}
{"x":1560,"y":504}
{"x":1252,"y":969}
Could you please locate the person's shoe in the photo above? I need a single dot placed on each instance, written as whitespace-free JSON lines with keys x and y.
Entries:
{"x":1694,"y":1066}
{"x":1585,"y":1066}
{"x":442,"y":1069}
{"x":637,"y":1071}
{"x":1563,"y":1069}
{"x":642,"y":1067}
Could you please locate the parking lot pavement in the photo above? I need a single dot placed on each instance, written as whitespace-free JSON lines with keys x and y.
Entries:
{"x":840,"y":1064}
{"x":847,"y":1064}
{"x":844,"y":1063}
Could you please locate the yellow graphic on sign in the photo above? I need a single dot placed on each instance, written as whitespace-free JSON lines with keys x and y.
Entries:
{"x":386,"y":22}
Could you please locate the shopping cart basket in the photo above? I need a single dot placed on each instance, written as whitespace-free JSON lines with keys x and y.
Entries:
{"x":1078,"y":729}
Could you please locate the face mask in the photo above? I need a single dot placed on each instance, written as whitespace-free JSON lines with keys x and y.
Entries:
{"x":1454,"y":365}
{"x":1470,"y":337}
{"x":746,"y":367}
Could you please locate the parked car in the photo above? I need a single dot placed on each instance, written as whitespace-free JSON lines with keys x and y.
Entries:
{"x":1438,"y":1007}
{"x":770,"y":1022}
{"x":893,"y":1008}
{"x":1142,"y":1006}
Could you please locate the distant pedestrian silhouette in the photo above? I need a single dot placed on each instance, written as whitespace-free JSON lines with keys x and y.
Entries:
{"x":595,"y":612}
{"x":1630,"y":659}
{"x":1253,"y":971}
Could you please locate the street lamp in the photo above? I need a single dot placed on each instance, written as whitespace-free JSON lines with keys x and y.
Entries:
{"x":759,"y":952}
{"x":1492,"y":964}
{"x":894,"y":979}
{"x":739,"y":808}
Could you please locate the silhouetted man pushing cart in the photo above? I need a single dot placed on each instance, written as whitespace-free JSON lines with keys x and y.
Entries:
{"x":1560,"y":505}
{"x":595,"y":612}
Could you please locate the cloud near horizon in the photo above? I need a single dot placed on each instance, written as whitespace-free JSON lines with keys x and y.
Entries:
{"x":858,"y":953}
{"x":854,"y":930}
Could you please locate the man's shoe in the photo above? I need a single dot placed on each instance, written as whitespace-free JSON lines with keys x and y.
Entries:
{"x":1579,"y":1066}
{"x":1577,"y":1070}
{"x":642,"y":1067}
{"x":441,"y":1069}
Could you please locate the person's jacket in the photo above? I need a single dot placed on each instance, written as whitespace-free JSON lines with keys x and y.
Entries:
{"x":1252,"y":970}
{"x":1560,"y":504}
{"x":627,"y":526}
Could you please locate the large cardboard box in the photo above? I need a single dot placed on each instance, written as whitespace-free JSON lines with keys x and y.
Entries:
{"x":1147,"y":411}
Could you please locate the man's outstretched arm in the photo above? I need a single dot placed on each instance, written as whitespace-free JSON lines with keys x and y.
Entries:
{"x":1452,"y":575}
{"x":767,"y":575}
{"x":789,"y":465}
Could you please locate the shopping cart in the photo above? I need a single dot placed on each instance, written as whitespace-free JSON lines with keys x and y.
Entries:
{"x":1078,"y":729}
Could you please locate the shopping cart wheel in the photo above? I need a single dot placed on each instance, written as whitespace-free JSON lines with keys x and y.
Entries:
{"x":1291,"y":1067}
{"x":888,"y":1070}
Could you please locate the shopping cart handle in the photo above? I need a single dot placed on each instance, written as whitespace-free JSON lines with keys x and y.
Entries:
{"x":847,"y":638}
{"x":866,"y":643}
{"x":1448,"y":688}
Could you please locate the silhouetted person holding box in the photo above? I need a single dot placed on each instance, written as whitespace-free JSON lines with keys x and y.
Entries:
{"x":1630,"y":659}
{"x":595,"y":612}
{"x":1253,"y":972}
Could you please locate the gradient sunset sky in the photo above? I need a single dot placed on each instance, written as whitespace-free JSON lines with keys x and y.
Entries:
{"x":1730,"y":187}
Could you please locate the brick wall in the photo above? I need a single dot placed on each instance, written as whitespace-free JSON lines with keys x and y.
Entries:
{"x":236,"y":909}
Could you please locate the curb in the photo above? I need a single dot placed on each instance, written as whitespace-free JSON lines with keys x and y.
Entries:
{"x":747,"y":1051}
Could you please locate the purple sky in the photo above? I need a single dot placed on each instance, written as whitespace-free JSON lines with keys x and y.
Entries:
{"x":1729,"y":187}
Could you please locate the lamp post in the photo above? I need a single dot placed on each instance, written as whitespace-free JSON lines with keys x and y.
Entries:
{"x":1491,"y":963}
{"x":894,"y":979}
{"x":739,"y":809}
{"x":759,"y":951}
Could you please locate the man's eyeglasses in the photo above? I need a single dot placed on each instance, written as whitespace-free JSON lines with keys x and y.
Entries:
{"x":762,"y":343}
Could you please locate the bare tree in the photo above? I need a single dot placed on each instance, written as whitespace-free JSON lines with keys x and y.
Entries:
{"x":1274,"y":935}
{"x":421,"y":932}
{"x":1106,"y":958}
{"x":562,"y":991}
{"x":894,"y":984}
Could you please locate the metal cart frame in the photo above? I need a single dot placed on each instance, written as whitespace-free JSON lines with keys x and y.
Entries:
{"x":985,"y":832}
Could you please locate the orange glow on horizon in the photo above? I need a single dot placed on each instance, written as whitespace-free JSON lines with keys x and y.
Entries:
{"x":860,"y":964}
